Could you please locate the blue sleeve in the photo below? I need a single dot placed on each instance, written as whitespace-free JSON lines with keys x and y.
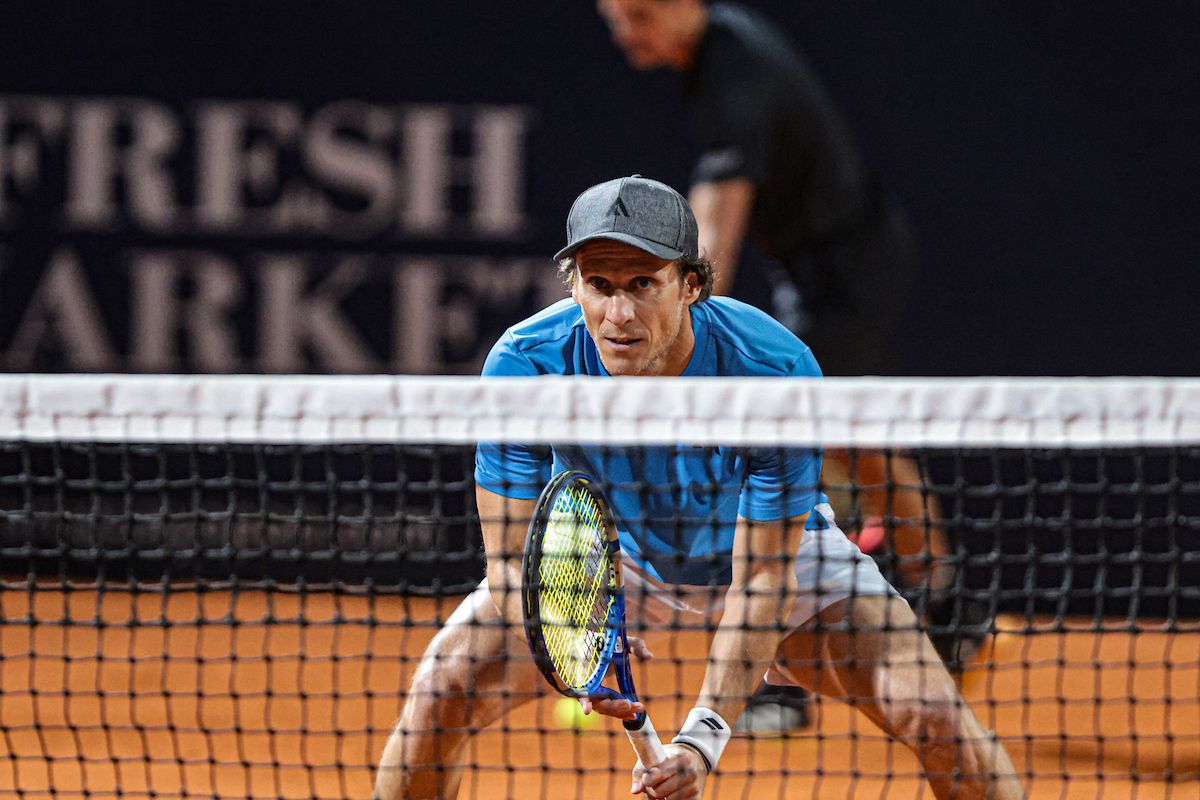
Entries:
{"x":511,"y":470}
{"x":784,"y":481}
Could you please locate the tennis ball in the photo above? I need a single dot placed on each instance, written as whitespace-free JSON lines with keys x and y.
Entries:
{"x":569,"y":714}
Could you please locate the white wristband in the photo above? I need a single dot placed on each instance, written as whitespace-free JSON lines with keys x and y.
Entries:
{"x":707,"y":732}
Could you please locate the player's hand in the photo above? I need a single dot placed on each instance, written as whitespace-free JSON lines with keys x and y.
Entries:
{"x":611,"y":704}
{"x":680,"y":777}
{"x":638,"y":647}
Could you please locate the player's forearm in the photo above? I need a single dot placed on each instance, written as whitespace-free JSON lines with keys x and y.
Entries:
{"x":725,"y":264}
{"x":746,"y":640}
{"x":504,"y":522}
{"x":722,"y":212}
{"x":504,"y":584}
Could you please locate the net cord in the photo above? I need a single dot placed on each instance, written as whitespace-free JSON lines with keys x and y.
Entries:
{"x":858,"y":412}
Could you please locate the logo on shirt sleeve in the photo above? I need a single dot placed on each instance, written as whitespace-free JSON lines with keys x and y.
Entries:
{"x":721,"y":162}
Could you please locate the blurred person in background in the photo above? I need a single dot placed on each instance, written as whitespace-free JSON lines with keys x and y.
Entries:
{"x":832,"y":258}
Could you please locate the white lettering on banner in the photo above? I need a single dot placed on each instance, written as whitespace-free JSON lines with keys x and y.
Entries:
{"x":505,"y":282}
{"x":200,"y":311}
{"x":426,"y":164}
{"x":427,"y":321}
{"x":495,"y":171}
{"x":170,"y":189}
{"x":356,"y":164}
{"x":238,"y":152}
{"x":23,"y":129}
{"x":499,"y":177}
{"x":416,"y":290}
{"x":160,"y":315}
{"x":291,"y":318}
{"x":96,"y":160}
{"x":62,"y":312}
{"x":346,"y":170}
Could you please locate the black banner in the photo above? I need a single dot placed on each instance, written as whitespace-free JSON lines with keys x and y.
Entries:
{"x":244,"y":236}
{"x":377,"y":188}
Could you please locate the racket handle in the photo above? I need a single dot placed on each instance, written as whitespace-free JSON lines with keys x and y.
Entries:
{"x":645,"y":742}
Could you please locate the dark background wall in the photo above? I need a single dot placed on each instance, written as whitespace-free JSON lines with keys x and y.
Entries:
{"x":299,"y":186}
{"x":1047,"y":152}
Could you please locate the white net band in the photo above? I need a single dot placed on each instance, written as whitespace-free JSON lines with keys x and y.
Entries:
{"x":862,"y":412}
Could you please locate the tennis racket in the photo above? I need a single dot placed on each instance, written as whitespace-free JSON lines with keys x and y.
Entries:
{"x":574,"y":603}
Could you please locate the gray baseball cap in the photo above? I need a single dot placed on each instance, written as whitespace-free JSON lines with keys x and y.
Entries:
{"x":638,"y":211}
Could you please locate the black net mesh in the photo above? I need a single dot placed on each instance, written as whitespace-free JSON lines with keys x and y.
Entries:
{"x":249,"y":620}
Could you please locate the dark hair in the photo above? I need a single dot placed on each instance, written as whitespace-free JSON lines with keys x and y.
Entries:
{"x":703,"y":268}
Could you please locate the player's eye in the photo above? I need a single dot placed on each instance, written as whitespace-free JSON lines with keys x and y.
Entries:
{"x":642,"y":283}
{"x":597,"y":283}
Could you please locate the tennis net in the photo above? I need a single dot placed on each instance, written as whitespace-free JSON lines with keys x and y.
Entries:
{"x":222,"y":586}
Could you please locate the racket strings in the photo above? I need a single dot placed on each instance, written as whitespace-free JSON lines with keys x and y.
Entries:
{"x":576,"y":584}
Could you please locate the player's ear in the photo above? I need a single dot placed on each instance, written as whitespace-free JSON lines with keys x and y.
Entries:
{"x":691,"y":286}
{"x":569,"y":271}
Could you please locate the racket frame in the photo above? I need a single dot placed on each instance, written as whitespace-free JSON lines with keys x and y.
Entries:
{"x":616,"y":648}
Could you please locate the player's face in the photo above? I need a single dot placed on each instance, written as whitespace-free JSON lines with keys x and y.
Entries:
{"x":636,"y":308}
{"x":644,"y":29}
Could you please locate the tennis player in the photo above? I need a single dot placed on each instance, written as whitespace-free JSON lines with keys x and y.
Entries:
{"x":741,"y":541}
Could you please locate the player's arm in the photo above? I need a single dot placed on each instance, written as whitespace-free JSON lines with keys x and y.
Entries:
{"x":515,"y":469}
{"x":722,"y":210}
{"x":757,"y":604}
{"x":505,"y":522}
{"x":760,"y":598}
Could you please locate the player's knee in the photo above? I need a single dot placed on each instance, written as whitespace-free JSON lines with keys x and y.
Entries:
{"x":434,"y":681}
{"x":447,"y":668}
{"x":922,"y":709}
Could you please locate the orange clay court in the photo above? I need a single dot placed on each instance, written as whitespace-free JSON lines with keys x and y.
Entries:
{"x":250,"y":694}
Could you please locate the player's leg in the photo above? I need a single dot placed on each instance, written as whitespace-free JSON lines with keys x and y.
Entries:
{"x":916,"y":557}
{"x":870,"y":652}
{"x":882,"y":486}
{"x":775,"y":711}
{"x":472,"y":673}
{"x":875,"y":486}
{"x":890,"y":486}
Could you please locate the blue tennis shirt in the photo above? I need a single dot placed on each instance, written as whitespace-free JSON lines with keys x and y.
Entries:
{"x":675,"y":507}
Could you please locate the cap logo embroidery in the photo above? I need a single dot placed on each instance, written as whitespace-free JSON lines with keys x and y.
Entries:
{"x":618,"y":209}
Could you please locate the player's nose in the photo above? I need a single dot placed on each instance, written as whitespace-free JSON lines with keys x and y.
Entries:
{"x":620,"y":308}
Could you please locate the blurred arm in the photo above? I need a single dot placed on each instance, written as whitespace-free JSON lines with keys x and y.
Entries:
{"x":505,"y":522}
{"x":722,"y":210}
{"x":757,"y":605}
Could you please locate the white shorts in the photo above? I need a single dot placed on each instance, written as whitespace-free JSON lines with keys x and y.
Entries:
{"x":830,"y":568}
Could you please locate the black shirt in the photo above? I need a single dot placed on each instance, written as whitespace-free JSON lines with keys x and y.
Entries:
{"x":760,"y":114}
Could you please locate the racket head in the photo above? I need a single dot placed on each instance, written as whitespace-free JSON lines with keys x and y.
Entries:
{"x":571,"y":585}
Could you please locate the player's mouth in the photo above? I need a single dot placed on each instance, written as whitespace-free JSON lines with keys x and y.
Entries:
{"x":620,"y":343}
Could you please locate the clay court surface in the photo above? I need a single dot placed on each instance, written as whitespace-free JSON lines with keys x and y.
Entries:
{"x":248,"y":694}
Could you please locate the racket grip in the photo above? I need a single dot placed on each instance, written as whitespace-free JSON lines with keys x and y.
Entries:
{"x":645,"y":742}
